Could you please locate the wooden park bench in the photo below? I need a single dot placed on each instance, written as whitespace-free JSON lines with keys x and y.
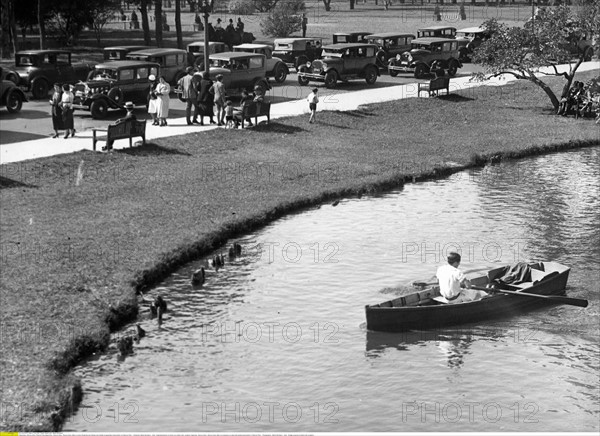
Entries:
{"x":435,"y":85}
{"x":256,"y":109}
{"x":128,"y":128}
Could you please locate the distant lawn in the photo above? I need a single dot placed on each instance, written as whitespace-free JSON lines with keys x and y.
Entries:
{"x":80,"y":232}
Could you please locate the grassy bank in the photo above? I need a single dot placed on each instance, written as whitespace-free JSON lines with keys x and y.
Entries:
{"x":82,"y":232}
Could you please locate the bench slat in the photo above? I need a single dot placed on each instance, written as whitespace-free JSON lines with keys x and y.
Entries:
{"x":127,"y":129}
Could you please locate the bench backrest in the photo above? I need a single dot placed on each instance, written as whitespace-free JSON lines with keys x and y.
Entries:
{"x":256,"y":109}
{"x":127,"y":129}
{"x":439,"y":83}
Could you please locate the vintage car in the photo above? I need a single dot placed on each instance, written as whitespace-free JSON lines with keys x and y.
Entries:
{"x":424,"y":52}
{"x":240,"y":70}
{"x":437,"y":32}
{"x":348,"y":37}
{"x":172,"y":61}
{"x":469,"y":39}
{"x":119,"y":53}
{"x":38,"y":70}
{"x":11,"y":95}
{"x":298,"y":51}
{"x":111,"y":84}
{"x":342,"y":62}
{"x":276,"y":68}
{"x":390,"y":45}
{"x":195,"y":52}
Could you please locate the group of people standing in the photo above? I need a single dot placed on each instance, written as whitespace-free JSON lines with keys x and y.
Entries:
{"x":158,"y":100}
{"x":62,"y":110}
{"x":201,"y":95}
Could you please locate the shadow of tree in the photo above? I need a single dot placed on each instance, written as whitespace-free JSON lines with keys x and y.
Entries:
{"x":6,"y":183}
{"x":456,"y":98}
{"x":278,"y":128}
{"x":150,"y":149}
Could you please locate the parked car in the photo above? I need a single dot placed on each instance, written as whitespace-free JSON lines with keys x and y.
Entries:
{"x":11,"y":95}
{"x":298,"y":51}
{"x":172,"y":61}
{"x":469,"y":39}
{"x":424,"y":52}
{"x":113,"y":83}
{"x":342,"y":62}
{"x":195,"y":52}
{"x":346,"y":38}
{"x":120,"y":52}
{"x":38,"y":70}
{"x":389,"y":45}
{"x":276,"y":68}
{"x":437,"y":32}
{"x":240,"y":70}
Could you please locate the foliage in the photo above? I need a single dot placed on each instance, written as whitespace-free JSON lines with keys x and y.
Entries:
{"x":284,"y":19}
{"x":103,"y":13}
{"x":265,"y":5}
{"x":242,"y":7}
{"x":550,"y":39}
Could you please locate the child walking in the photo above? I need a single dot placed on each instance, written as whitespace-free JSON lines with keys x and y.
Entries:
{"x":312,"y":104}
{"x":229,"y":114}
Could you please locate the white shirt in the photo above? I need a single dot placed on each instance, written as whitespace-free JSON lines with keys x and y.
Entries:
{"x":449,"y":278}
{"x":312,"y":98}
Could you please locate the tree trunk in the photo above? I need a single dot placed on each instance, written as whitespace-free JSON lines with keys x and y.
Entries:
{"x":5,"y":48}
{"x":546,"y":89}
{"x":42,"y":25}
{"x":327,"y":4}
{"x":13,"y":25}
{"x":145,"y":23}
{"x":178,"y":23}
{"x":158,"y":21}
{"x":351,"y":4}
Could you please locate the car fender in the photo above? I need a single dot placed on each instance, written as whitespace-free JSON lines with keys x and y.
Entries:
{"x":372,"y":65}
{"x":263,"y":81}
{"x":13,"y":89}
{"x":110,"y":103}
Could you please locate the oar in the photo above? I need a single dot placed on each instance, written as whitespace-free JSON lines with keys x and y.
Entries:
{"x":554,"y":298}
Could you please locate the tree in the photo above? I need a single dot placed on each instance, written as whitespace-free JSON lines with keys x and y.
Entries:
{"x":178,"y":23}
{"x":5,"y":33}
{"x":327,"y":4}
{"x":284,"y":19}
{"x":158,"y":21}
{"x":103,"y":13}
{"x":265,"y":5}
{"x":522,"y":52}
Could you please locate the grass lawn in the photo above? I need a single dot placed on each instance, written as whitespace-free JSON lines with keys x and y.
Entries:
{"x":81,"y":232}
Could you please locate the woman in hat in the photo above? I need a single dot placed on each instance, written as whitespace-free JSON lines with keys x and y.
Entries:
{"x":57,"y":122}
{"x":152,"y":100}
{"x":162,"y":93}
{"x":66,"y":102}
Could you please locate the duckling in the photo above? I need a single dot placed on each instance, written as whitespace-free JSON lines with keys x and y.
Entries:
{"x":335,"y":203}
{"x":125,"y":345}
{"x":198,"y":276}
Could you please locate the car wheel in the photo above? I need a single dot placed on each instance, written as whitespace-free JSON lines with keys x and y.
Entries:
{"x":99,"y":109}
{"x":452,"y":68}
{"x":420,"y":71}
{"x":14,"y":101}
{"x":280,"y":73}
{"x":393,"y":73}
{"x":302,"y":60}
{"x":371,"y":75}
{"x":302,"y":81}
{"x":330,"y":79}
{"x":39,"y":88}
{"x":463,"y":55}
{"x":117,"y":95}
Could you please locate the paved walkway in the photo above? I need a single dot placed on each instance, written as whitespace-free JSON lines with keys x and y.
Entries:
{"x":20,"y":151}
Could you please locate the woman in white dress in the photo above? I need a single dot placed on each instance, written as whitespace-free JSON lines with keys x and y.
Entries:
{"x":152,"y":100}
{"x":162,"y":93}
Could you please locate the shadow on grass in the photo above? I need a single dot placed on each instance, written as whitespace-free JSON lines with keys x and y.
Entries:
{"x":150,"y":149}
{"x":359,"y":113}
{"x":456,"y":98}
{"x":278,"y":128}
{"x":6,"y":183}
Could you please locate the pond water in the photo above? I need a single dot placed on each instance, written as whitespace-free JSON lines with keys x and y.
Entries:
{"x":276,"y":340}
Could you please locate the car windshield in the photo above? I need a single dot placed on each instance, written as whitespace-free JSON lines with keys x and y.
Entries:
{"x":421,"y":46}
{"x":282,"y":46}
{"x":195,"y":48}
{"x":333,"y":53}
{"x":25,"y":60}
{"x":103,"y":74}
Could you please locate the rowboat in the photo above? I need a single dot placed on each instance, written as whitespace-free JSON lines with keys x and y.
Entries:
{"x":423,"y":309}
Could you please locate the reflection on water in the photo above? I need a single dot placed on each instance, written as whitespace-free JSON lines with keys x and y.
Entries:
{"x":275,"y":341}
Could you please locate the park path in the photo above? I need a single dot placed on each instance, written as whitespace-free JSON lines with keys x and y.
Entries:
{"x":33,"y":149}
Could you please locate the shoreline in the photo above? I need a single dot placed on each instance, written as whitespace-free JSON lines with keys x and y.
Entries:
{"x":118,"y":312}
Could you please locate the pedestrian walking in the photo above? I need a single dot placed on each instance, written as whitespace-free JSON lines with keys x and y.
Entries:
{"x":188,"y":93}
{"x":57,"y":122}
{"x":313,"y":99}
{"x":218,"y":90}
{"x":152,"y":99}
{"x":66,"y":103}
{"x":162,"y":99}
{"x":206,"y":99}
